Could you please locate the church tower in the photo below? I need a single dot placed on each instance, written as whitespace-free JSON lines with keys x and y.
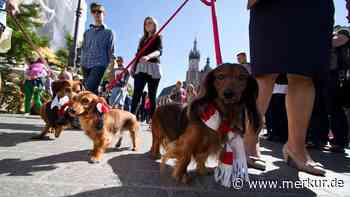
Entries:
{"x":192,"y":75}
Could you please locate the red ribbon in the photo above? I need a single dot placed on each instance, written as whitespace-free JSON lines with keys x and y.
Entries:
{"x":211,"y":3}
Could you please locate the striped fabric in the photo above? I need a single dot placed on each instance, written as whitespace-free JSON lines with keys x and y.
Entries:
{"x":150,"y":68}
{"x":233,"y":163}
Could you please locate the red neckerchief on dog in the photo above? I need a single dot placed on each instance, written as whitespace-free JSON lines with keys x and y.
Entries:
{"x":102,"y":108}
{"x":233,"y":162}
{"x":63,"y":108}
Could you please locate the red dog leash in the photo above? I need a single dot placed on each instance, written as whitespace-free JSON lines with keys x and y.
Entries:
{"x":148,"y":43}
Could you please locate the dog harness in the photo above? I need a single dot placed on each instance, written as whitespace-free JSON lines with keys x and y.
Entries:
{"x":232,"y":165}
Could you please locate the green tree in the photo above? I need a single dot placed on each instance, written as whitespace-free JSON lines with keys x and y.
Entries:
{"x":29,"y":18}
{"x":63,"y":53}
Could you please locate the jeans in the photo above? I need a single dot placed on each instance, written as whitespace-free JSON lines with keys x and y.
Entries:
{"x":140,"y":81}
{"x":93,"y":77}
{"x":117,"y":97}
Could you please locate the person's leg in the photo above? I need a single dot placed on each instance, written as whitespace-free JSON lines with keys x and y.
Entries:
{"x":152,"y":92}
{"x":37,"y":98}
{"x":139,"y":85}
{"x":94,"y":78}
{"x":122,"y":98}
{"x":86,"y":73}
{"x":339,"y":127}
{"x":28,"y":94}
{"x":299,"y":104}
{"x":113,"y":99}
{"x":266,"y":83}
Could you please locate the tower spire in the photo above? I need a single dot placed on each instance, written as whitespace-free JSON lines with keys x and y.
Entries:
{"x":194,"y":54}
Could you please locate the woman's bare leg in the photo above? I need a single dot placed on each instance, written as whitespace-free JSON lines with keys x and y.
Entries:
{"x":299,"y":104}
{"x":251,"y":139}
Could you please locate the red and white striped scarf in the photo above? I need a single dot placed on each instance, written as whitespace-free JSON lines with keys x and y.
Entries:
{"x":233,"y":162}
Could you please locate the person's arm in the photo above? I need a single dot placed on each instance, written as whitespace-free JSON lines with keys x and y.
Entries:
{"x":155,"y":54}
{"x":127,"y":76}
{"x":111,"y":47}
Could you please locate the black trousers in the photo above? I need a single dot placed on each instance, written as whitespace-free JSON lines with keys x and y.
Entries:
{"x":140,"y":81}
{"x":319,"y":123}
{"x":276,"y":118}
{"x":338,"y":119}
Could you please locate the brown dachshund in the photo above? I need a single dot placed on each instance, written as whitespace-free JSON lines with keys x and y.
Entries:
{"x":84,"y":105}
{"x":232,"y":91}
{"x":60,"y":89}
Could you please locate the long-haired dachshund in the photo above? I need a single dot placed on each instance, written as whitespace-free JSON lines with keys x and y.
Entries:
{"x":84,"y":105}
{"x":60,"y":89}
{"x":233,"y":92}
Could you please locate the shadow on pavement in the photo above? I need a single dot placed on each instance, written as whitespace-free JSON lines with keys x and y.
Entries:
{"x":12,"y":139}
{"x":336,"y":162}
{"x":18,"y":167}
{"x":141,"y":176}
{"x":20,"y":127}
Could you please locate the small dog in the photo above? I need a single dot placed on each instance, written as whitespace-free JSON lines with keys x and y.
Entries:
{"x":55,"y":123}
{"x":86,"y":106}
{"x":233,"y":92}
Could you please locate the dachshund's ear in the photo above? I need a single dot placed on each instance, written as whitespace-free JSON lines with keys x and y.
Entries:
{"x":207,"y":88}
{"x":250,"y":96}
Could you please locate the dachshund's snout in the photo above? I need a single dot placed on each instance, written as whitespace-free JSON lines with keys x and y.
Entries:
{"x":229,"y":94}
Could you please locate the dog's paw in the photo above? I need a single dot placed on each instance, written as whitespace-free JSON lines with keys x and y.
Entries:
{"x":119,"y":143}
{"x":94,"y":160}
{"x":134,"y":149}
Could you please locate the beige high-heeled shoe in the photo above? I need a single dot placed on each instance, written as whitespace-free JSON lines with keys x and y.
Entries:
{"x":309,"y":166}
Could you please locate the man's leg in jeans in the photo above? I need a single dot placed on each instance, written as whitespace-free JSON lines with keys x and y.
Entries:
{"x":86,"y":73}
{"x":94,"y":78}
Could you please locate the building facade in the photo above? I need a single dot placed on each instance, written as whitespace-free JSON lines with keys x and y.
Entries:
{"x":194,"y":74}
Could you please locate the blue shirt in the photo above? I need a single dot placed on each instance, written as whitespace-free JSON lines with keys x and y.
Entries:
{"x":98,"y":47}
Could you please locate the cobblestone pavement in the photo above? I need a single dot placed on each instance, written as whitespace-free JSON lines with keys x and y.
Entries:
{"x":59,"y":168}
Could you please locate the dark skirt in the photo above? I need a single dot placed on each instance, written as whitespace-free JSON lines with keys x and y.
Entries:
{"x":291,"y":36}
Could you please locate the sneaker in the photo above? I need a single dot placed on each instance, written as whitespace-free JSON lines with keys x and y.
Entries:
{"x":26,"y":114}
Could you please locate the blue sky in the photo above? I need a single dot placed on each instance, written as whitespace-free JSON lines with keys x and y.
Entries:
{"x":126,"y":17}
